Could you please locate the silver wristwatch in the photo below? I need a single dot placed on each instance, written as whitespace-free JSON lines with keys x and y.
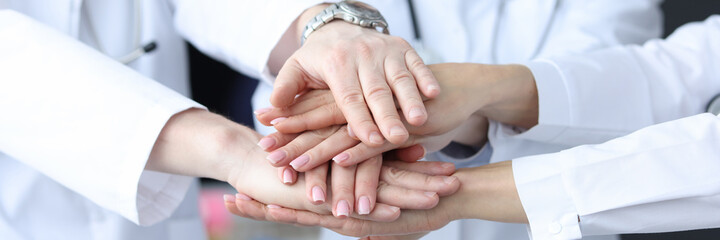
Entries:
{"x":354,"y":12}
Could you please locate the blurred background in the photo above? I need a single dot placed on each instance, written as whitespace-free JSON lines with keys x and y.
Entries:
{"x":227,"y":92}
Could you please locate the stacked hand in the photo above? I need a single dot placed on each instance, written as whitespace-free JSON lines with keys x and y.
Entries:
{"x":373,"y":80}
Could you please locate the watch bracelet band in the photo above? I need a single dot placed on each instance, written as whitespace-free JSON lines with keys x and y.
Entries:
{"x":316,"y":22}
{"x":327,"y":15}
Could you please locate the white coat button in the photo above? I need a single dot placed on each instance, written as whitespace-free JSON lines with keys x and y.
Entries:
{"x":554,"y":228}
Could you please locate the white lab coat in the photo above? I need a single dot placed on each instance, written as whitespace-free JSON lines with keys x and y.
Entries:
{"x":77,"y":127}
{"x":661,"y":178}
{"x":495,"y":31}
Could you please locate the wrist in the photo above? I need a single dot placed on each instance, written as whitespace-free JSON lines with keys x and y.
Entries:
{"x":488,"y":192}
{"x":305,"y":17}
{"x":511,"y":96}
{"x":199,"y":143}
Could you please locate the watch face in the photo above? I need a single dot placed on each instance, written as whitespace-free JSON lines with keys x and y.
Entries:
{"x":360,"y":9}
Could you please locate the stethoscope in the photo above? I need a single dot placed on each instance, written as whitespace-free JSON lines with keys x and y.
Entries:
{"x":138,"y":49}
{"x":430,"y":57}
{"x":714,"y":105}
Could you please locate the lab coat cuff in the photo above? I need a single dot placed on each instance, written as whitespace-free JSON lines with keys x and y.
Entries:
{"x":155,"y":196}
{"x":553,"y":102}
{"x":549,"y":208}
{"x":158,"y":195}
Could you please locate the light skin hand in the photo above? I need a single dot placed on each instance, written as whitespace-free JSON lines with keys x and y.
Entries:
{"x":364,"y":69}
{"x":487,"y":192}
{"x":458,"y":105}
{"x":199,"y":143}
{"x":504,"y":93}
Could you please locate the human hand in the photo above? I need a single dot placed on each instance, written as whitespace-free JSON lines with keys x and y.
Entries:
{"x":364,"y":69}
{"x":397,"y":188}
{"x":488,"y":193}
{"x":316,"y":109}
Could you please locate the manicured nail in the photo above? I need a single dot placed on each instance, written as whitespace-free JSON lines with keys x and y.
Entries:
{"x":449,"y":180}
{"x":318,"y":194}
{"x":242,"y":197}
{"x":277,"y":120}
{"x":287,"y":176}
{"x":376,"y":138}
{"x":433,"y":89}
{"x":350,"y":132}
{"x":397,"y":131}
{"x":343,"y":208}
{"x":229,"y":198}
{"x":273,"y":206}
{"x":430,"y":194}
{"x":262,"y":110}
{"x":341,"y":157}
{"x":266,"y":143}
{"x":276,"y":156}
{"x":416,"y":112}
{"x":300,"y":161}
{"x":364,"y":205}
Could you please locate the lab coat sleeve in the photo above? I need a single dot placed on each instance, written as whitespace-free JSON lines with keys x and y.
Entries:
{"x":661,"y":178}
{"x":585,"y":25}
{"x":84,"y":120}
{"x":608,"y":93}
{"x":242,"y":34}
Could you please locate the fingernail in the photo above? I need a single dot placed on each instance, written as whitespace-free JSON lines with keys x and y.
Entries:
{"x":416,"y":112}
{"x":299,"y":161}
{"x":343,"y":208}
{"x":273,"y":206}
{"x":277,"y":120}
{"x":376,"y":138}
{"x":341,"y":157}
{"x":318,"y":194}
{"x":449,"y":180}
{"x":364,"y":206}
{"x":432,"y":89}
{"x":262,"y":110}
{"x":287,"y":176}
{"x":394,"y":208}
{"x":397,"y":131}
{"x":266,"y":143}
{"x":276,"y":156}
{"x":430,"y":194}
{"x":350,"y":132}
{"x":242,"y":197}
{"x":229,"y":198}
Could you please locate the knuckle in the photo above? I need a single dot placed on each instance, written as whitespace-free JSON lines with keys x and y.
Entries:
{"x":352,"y":97}
{"x":343,"y":190}
{"x":364,"y":49}
{"x":338,"y":56}
{"x":399,"y":41}
{"x":378,"y":92}
{"x":395,"y":174}
{"x":401,"y":77}
{"x":390,"y":117}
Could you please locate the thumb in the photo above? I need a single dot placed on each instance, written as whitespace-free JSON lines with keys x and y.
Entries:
{"x":290,"y":81}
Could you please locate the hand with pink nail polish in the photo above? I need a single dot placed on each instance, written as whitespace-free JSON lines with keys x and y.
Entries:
{"x":489,"y":193}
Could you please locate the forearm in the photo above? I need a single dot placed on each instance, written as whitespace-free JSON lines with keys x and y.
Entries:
{"x":199,"y":143}
{"x":487,"y":192}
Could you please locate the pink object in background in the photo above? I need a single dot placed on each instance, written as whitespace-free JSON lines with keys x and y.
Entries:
{"x":218,"y":221}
